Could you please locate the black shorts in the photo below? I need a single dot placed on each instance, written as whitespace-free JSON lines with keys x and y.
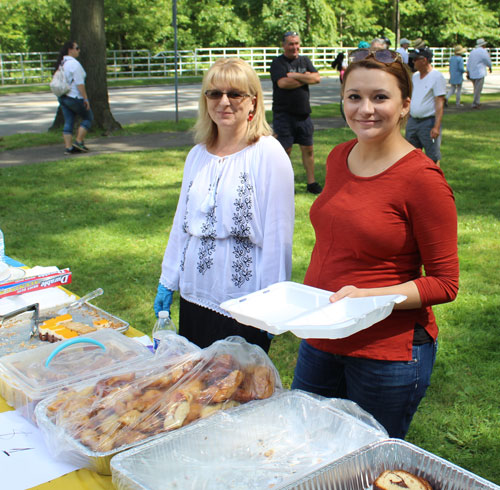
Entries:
{"x":290,"y":129}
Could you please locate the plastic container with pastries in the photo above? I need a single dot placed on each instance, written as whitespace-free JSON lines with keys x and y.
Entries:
{"x":360,"y":469}
{"x":264,"y":445}
{"x":26,"y":377}
{"x":94,"y":421}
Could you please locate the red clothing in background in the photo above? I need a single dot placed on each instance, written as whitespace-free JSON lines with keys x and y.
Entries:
{"x":378,"y":231}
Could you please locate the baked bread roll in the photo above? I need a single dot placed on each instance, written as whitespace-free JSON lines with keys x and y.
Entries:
{"x":399,"y":479}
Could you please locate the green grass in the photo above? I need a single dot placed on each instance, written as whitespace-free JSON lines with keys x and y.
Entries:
{"x":107,"y":217}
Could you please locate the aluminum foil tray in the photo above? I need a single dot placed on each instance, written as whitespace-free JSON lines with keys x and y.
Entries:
{"x":15,"y":332}
{"x":260,"y":445}
{"x":359,"y":470}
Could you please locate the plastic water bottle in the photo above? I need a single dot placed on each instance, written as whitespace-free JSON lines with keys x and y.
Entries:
{"x":162,"y":326}
{"x":2,"y":247}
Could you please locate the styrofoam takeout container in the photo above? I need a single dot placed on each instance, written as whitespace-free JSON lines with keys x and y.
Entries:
{"x":360,"y":469}
{"x":263,"y":444}
{"x":307,"y":312}
{"x":25,"y":379}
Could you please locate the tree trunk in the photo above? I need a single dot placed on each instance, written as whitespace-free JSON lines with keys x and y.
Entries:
{"x":87,"y":29}
{"x":395,"y":22}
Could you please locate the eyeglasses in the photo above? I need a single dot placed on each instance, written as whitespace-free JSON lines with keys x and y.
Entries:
{"x":231,"y":94}
{"x":77,"y":48}
{"x":386,"y":56}
{"x":289,"y":33}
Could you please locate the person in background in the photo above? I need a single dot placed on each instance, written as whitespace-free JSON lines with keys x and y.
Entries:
{"x":340,"y":64}
{"x":233,"y":227}
{"x":379,"y":43}
{"x":385,"y":214}
{"x":456,"y":74}
{"x":403,"y":49}
{"x":427,"y":105}
{"x":291,"y":75}
{"x":478,"y":61}
{"x":75,"y":102}
{"x":418,"y":43}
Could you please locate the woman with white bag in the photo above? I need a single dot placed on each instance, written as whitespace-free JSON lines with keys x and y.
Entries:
{"x":76,"y":101}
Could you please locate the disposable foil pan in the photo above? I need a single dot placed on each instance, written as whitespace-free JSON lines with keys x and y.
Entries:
{"x":359,"y":470}
{"x":260,"y":445}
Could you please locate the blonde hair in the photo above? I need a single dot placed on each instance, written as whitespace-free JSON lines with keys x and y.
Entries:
{"x":239,"y":75}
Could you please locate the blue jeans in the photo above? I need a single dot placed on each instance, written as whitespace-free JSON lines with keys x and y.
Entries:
{"x":418,"y":133}
{"x":389,"y":390}
{"x":72,"y":107}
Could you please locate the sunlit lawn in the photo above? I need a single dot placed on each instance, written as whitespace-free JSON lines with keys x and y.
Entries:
{"x":108,"y":217}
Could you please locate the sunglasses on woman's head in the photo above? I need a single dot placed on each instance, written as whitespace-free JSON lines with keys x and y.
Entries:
{"x":386,"y":56}
{"x":231,"y":94}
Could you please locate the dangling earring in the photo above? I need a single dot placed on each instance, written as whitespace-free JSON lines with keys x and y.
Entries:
{"x":250,"y":116}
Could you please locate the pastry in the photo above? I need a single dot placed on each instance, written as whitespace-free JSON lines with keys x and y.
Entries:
{"x":126,"y":408}
{"x":101,"y":323}
{"x":398,"y":479}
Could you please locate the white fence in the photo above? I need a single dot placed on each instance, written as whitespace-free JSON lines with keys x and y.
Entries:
{"x":33,"y":68}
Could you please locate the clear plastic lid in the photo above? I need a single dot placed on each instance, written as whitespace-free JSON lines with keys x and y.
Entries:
{"x":30,"y":371}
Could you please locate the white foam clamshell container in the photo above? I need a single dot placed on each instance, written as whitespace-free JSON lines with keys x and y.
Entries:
{"x":361,"y":468}
{"x":263,"y":444}
{"x":307,"y":312}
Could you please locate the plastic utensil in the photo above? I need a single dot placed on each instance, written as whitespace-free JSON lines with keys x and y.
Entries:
{"x":67,"y":343}
{"x":79,"y":302}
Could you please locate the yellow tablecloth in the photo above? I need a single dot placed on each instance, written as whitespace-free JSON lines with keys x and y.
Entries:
{"x":81,"y":479}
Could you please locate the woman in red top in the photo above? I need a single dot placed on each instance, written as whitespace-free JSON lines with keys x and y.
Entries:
{"x":385,"y":213}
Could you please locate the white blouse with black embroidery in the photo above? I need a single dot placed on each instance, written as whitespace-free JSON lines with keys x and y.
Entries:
{"x":233,"y":227}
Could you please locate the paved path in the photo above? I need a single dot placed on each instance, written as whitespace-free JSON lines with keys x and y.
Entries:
{"x":34,"y":112}
{"x":116,"y":144}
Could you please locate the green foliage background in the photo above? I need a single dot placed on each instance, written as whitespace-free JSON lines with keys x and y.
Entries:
{"x":141,"y":24}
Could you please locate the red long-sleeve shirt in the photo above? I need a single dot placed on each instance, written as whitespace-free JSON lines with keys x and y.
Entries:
{"x":379,"y":231}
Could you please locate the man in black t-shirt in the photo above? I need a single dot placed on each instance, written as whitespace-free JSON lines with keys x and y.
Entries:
{"x":291,"y":75}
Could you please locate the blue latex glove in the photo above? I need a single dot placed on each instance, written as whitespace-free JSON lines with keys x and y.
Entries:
{"x":163,"y":299}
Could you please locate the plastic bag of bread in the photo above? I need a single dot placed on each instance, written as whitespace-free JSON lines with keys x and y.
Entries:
{"x":99,"y":419}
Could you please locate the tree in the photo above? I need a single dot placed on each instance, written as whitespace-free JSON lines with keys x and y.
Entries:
{"x":356,"y":22}
{"x":12,"y":27}
{"x":138,"y":24}
{"x":43,"y":13}
{"x":87,"y":28}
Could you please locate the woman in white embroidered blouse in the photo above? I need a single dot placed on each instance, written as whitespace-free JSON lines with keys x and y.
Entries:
{"x":233,"y":227}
